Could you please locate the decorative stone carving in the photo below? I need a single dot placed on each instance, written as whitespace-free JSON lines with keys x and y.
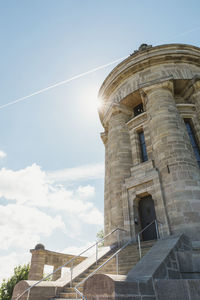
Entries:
{"x":142,"y":47}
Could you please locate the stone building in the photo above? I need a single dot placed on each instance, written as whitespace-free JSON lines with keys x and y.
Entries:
{"x":151,"y":115}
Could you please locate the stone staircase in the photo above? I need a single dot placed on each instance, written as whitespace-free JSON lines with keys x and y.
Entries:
{"x":127,"y":259}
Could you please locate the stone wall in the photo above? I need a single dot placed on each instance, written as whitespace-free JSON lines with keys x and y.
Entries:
{"x":178,"y":289}
{"x":157,"y":276}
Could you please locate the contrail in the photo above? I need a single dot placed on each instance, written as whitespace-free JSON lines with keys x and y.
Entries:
{"x":188,"y":31}
{"x":61,"y":83}
{"x":82,"y":74}
{"x":179,"y":35}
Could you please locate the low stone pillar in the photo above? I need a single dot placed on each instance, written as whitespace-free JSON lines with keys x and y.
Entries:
{"x":37,"y":263}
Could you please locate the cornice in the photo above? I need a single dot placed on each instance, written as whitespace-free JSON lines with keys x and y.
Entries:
{"x":175,"y":53}
{"x":126,"y":78}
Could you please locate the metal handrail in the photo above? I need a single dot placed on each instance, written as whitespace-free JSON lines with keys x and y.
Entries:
{"x":116,"y":254}
{"x":71,"y":261}
{"x":91,"y":274}
{"x":157,"y":234}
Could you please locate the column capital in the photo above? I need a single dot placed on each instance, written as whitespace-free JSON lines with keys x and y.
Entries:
{"x":116,"y":108}
{"x":151,"y":87}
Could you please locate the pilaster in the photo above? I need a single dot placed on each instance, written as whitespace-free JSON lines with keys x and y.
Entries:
{"x":37,"y":264}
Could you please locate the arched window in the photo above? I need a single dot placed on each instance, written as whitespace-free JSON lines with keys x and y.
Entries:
{"x":143,"y":150}
{"x":193,"y":139}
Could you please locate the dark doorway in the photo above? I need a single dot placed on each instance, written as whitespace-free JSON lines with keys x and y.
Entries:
{"x":147,"y":215}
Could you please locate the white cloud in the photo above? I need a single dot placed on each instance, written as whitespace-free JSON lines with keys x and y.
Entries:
{"x":36,"y":206}
{"x":26,"y":185}
{"x":31,"y":187}
{"x":2,"y":154}
{"x":76,"y":204}
{"x":93,"y":217}
{"x":87,"y":191}
{"x":22,"y":226}
{"x":93,"y":171}
{"x":30,"y":190}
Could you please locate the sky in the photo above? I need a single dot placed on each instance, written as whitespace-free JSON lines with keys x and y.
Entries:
{"x":51,"y":154}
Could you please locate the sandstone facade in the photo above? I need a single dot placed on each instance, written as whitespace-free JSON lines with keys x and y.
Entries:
{"x":165,"y":82}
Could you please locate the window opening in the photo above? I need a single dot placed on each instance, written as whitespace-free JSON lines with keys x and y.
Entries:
{"x":193,"y":140}
{"x":138,"y":109}
{"x":143,"y":146}
{"x":48,"y":270}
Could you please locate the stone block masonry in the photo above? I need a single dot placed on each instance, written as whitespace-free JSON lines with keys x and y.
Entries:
{"x":165,"y":82}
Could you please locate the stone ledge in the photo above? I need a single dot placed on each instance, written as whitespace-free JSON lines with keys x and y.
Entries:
{"x":137,"y":121}
{"x":151,"y":265}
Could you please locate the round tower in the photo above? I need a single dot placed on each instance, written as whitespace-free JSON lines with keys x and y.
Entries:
{"x":151,"y":114}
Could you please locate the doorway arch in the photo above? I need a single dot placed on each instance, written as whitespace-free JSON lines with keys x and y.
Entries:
{"x":147,"y":215}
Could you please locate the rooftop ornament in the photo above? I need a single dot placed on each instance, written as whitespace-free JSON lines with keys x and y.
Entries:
{"x":142,"y":47}
{"x":39,"y":247}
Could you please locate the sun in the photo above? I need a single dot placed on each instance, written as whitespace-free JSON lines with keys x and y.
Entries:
{"x":90,"y":103}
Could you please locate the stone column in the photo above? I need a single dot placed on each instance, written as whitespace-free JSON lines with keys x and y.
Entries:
{"x":37,"y":264}
{"x":174,"y":159}
{"x":118,"y":163}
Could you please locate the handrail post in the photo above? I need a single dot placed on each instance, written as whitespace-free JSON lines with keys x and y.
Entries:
{"x":71,"y":269}
{"x":28,"y":295}
{"x":116,"y":255}
{"x":117,"y":264}
{"x":161,"y":229}
{"x":157,"y":231}
{"x":139,"y":246}
{"x":96,"y":252}
{"x":118,"y":242}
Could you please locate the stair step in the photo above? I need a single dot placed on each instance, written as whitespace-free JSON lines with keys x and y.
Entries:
{"x":127,"y":259}
{"x":59,"y":298}
{"x":67,"y":296}
{"x":71,"y":290}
